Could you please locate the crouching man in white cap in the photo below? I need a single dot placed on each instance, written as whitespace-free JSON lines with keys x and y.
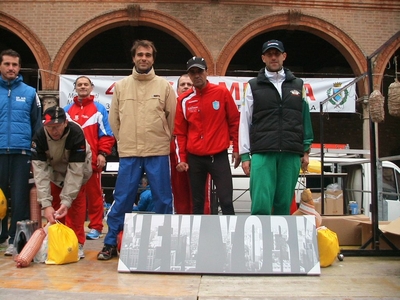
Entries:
{"x":61,"y":160}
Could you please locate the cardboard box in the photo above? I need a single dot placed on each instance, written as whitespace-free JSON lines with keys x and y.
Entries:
{"x":391,"y":230}
{"x":347,"y":228}
{"x":317,"y":201}
{"x":333,"y":204}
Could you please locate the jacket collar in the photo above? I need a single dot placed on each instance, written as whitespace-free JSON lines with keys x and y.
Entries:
{"x":203,"y":90}
{"x":143,"y":76}
{"x":275,"y":76}
{"x":85,"y":101}
{"x":7,"y":83}
{"x":286,"y":73}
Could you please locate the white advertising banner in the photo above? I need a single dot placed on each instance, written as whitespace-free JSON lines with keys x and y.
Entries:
{"x":318,"y":89}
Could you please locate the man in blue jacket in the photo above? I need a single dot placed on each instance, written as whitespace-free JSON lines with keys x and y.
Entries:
{"x":20,"y":117}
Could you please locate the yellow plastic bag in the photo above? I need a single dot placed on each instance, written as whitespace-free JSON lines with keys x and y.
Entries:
{"x":314,"y":166}
{"x":328,"y":246}
{"x":62,"y":245}
{"x":3,"y":205}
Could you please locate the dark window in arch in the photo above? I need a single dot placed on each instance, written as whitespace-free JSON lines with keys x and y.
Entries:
{"x":108,"y":53}
{"x":29,"y":66}
{"x":307,"y":56}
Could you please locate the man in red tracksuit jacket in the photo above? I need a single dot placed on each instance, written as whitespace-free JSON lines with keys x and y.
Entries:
{"x":206,"y":121}
{"x":93,"y":118}
{"x":183,"y":203}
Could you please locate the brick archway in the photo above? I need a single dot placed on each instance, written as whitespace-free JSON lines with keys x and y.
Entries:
{"x":294,"y":20}
{"x":383,"y":59}
{"x":132,"y":16}
{"x":30,"y":39}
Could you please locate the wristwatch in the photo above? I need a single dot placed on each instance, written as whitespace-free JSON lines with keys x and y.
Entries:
{"x":103,"y":153}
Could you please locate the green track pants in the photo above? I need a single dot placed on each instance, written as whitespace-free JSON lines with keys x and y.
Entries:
{"x":273,"y":178}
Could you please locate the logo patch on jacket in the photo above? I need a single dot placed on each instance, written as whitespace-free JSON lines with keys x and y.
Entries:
{"x":295,"y":92}
{"x":192,"y":108}
{"x":20,"y":99}
{"x":215,"y":104}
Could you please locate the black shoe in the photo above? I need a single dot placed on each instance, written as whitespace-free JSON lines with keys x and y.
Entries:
{"x":107,"y":252}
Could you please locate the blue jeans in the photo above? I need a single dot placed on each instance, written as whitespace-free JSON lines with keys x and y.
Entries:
{"x":14,"y":182}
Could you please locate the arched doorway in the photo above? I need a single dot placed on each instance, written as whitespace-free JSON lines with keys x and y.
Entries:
{"x":168,"y":34}
{"x":108,"y":53}
{"x":34,"y":55}
{"x":307,"y":56}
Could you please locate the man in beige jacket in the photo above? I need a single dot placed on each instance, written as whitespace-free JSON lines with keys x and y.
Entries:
{"x":141,"y":117}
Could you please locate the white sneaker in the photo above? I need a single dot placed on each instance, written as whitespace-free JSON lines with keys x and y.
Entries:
{"x":81,"y":253}
{"x":10,"y":250}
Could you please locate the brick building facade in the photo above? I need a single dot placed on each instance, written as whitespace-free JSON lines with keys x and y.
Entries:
{"x":54,"y":30}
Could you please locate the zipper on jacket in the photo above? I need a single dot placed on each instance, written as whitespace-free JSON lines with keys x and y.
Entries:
{"x":281,"y":116}
{"x":9,"y":117}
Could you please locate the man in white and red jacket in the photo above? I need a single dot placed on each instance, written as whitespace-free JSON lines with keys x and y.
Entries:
{"x":93,"y":118}
{"x":206,"y":121}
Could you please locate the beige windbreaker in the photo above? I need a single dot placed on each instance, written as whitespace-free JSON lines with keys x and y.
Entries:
{"x":142,"y":115}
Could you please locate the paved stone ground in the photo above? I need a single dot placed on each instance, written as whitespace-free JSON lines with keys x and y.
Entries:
{"x":353,"y":278}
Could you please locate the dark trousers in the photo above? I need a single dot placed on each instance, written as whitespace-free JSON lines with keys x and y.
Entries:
{"x":14,"y":182}
{"x":219,"y":168}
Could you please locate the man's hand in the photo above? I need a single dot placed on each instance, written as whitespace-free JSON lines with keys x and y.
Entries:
{"x":101,"y":161}
{"x":53,"y":215}
{"x":305,"y":160}
{"x":236,"y":159}
{"x":61,"y":212}
{"x":49,"y":213}
{"x":182,"y":166}
{"x":246,"y":167}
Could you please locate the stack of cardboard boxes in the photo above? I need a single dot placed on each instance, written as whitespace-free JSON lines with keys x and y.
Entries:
{"x":353,"y":230}
{"x":391,"y":230}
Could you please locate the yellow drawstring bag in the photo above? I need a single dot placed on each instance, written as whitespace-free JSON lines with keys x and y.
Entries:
{"x":314,"y":166}
{"x":328,"y":246}
{"x":62,"y":245}
{"x":3,"y":205}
